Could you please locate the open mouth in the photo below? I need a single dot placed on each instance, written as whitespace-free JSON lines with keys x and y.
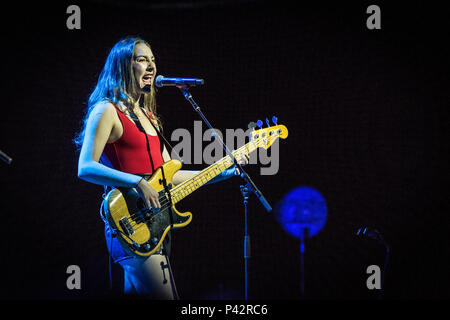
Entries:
{"x":147,"y":78}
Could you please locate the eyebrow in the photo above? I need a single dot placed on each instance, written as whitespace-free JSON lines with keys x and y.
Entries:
{"x":143,"y":55}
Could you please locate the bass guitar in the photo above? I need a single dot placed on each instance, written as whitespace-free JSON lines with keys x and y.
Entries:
{"x":141,"y":230}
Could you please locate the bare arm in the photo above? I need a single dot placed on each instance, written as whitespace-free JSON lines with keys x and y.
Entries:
{"x":98,"y":131}
{"x":181,"y":175}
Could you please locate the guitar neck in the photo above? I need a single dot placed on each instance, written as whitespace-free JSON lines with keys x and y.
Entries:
{"x":187,"y":187}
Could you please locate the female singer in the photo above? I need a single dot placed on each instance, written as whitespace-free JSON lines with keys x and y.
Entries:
{"x":114,"y":153}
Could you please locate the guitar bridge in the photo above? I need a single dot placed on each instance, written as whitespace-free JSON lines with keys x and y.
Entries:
{"x":126,"y":226}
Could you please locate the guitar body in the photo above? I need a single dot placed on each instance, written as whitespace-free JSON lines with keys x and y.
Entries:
{"x":140,"y":230}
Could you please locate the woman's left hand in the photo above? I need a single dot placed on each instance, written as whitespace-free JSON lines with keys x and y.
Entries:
{"x":244,"y":159}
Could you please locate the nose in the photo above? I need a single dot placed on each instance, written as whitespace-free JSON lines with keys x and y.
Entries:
{"x":151,"y":66}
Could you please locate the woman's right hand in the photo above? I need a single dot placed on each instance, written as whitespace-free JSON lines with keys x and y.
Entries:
{"x":148,"y":194}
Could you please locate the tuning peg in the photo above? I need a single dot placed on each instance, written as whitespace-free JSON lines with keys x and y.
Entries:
{"x":259,"y":123}
{"x":274,"y":120}
{"x":267,"y":121}
{"x":251,"y":125}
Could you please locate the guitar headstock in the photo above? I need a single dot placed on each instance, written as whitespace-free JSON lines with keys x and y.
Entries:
{"x":265,"y":137}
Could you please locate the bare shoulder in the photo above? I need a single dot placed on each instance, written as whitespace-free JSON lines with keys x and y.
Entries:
{"x":99,"y":129}
{"x":104,"y":112}
{"x":105,"y":108}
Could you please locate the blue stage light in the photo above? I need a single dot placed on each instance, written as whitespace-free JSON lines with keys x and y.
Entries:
{"x":302,"y":212}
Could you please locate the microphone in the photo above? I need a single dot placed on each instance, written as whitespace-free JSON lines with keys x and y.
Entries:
{"x":162,"y":81}
{"x":373,"y":234}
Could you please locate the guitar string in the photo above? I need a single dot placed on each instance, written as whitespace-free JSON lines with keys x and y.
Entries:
{"x":163,"y":207}
{"x":166,"y":203}
{"x":198,"y":181}
{"x":238,"y":152}
{"x":227,"y":158}
{"x":223,"y":162}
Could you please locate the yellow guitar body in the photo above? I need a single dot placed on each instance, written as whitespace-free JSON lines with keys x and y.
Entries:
{"x":141,"y":230}
{"x":126,"y":214}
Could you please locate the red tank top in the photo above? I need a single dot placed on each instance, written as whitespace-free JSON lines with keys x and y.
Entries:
{"x":129,"y":153}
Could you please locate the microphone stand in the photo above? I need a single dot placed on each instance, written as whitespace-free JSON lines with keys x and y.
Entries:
{"x":244,"y":191}
{"x":5,"y":157}
{"x":249,"y":184}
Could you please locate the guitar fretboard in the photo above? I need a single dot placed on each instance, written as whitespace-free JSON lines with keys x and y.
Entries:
{"x":187,"y":187}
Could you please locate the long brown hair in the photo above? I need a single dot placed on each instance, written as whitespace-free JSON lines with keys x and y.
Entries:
{"x":117,"y":84}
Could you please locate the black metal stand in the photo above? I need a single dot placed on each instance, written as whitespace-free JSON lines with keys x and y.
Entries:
{"x":302,"y":262}
{"x":245,"y":191}
{"x":5,"y":157}
{"x":386,"y":259}
{"x":243,"y":174}
{"x":302,"y":269}
{"x":249,"y":184}
{"x":383,"y":274}
{"x":376,"y":235}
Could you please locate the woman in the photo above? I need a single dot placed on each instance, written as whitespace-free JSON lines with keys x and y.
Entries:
{"x":114,"y":153}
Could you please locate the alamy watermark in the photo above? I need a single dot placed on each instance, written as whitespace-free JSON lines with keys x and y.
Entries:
{"x":374,"y":280}
{"x":190,"y":148}
{"x":374,"y":20}
{"x":74,"y":19}
{"x":74,"y":279}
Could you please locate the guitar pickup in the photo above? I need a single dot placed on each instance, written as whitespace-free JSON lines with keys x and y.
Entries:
{"x":126,"y":226}
{"x":144,"y":213}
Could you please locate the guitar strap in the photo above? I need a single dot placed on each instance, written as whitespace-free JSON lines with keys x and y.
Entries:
{"x":138,"y":124}
{"x":112,"y":231}
{"x":161,"y":137}
{"x":163,"y":180}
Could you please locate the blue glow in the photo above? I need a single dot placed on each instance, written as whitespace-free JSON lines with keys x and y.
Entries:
{"x":302,"y":212}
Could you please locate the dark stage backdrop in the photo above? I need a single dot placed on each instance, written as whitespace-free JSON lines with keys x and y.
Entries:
{"x":366,"y":112}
